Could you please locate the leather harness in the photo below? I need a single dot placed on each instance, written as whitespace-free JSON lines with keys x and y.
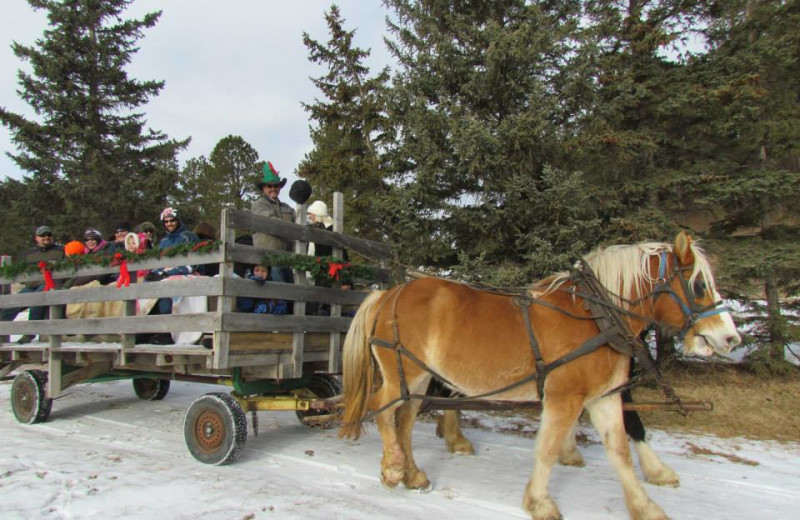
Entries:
{"x":607,"y":316}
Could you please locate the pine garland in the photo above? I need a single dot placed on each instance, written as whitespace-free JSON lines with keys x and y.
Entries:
{"x":106,"y":259}
{"x":322,"y":268}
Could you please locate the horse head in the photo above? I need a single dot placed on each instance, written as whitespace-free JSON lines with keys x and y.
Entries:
{"x":687,"y":298}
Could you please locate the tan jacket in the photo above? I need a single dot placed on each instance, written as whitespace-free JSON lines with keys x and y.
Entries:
{"x":267,"y":207}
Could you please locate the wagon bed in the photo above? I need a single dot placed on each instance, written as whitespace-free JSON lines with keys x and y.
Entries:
{"x":271,"y":361}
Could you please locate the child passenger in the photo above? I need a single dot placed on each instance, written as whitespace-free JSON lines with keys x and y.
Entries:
{"x":259,"y":275}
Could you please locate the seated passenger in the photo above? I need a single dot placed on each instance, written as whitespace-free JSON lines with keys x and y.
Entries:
{"x":45,"y":250}
{"x":120,"y":232}
{"x":176,"y":234}
{"x":206,"y":231}
{"x":137,"y":243}
{"x":261,"y":305}
{"x":93,"y":241}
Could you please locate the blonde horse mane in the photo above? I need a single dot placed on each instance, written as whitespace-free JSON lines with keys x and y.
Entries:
{"x":624,"y":270}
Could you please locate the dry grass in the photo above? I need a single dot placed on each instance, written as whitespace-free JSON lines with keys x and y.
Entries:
{"x":745,"y":405}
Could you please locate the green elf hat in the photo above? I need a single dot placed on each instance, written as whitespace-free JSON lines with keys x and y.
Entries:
{"x":270,"y":177}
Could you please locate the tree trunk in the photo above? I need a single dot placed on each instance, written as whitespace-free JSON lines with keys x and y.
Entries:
{"x":774,"y":319}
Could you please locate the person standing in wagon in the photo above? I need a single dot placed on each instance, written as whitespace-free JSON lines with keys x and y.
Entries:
{"x":269,"y":205}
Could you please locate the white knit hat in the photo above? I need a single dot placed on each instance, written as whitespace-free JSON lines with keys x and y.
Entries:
{"x":318,"y":208}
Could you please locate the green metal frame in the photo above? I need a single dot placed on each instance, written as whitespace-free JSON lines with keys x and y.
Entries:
{"x":242,"y":387}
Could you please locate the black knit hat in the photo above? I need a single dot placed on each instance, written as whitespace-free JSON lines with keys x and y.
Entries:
{"x":300,"y":191}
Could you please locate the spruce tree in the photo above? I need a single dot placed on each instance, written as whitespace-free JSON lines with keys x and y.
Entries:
{"x":87,"y":152}
{"x":747,"y":149}
{"x":478,"y":117}
{"x":349,"y":128}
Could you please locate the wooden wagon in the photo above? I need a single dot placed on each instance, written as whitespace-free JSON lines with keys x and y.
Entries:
{"x":273,"y":362}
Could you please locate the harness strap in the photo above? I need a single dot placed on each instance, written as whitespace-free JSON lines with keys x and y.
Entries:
{"x":524,"y":303}
{"x":601,"y":304}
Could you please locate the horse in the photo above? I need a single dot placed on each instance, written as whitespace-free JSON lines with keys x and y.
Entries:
{"x":551,"y":343}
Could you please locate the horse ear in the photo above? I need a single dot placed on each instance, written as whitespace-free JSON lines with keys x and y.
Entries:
{"x":682,"y":249}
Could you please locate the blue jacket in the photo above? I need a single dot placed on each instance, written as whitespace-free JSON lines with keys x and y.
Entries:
{"x":181,"y":235}
{"x":260,"y":305}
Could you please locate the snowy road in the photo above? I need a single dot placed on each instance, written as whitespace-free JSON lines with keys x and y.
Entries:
{"x":106,"y":454}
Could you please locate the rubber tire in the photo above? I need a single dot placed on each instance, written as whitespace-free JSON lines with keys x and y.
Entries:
{"x":150,"y":389}
{"x":29,"y":400}
{"x":215,"y":429}
{"x":321,"y":386}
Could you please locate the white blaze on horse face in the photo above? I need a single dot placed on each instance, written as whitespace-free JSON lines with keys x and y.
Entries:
{"x":714,"y":333}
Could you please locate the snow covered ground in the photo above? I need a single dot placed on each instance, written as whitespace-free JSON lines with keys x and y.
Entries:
{"x":106,"y":454}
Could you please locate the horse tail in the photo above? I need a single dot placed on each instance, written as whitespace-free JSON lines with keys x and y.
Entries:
{"x":357,"y":370}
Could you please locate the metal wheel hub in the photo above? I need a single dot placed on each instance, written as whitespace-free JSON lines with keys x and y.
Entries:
{"x":24,"y":399}
{"x":209,"y":431}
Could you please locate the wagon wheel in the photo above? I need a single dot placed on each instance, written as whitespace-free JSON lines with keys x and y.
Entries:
{"x":29,"y":399}
{"x":321,"y":386}
{"x":150,"y":389}
{"x":215,"y":429}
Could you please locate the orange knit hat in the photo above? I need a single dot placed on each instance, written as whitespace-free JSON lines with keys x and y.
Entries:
{"x":74,"y":248}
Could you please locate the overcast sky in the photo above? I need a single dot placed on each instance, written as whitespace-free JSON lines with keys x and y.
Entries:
{"x":235,"y":67}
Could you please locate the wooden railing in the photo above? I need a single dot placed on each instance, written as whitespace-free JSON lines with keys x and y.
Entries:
{"x":239,"y":339}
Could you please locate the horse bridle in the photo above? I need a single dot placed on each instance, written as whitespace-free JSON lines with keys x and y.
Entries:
{"x":688,"y":305}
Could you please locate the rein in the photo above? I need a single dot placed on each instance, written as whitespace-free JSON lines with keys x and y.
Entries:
{"x":607,"y":315}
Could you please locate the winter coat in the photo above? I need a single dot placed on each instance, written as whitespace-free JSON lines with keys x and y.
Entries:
{"x":260,"y":305}
{"x":266,"y":207}
{"x":101,"y":247}
{"x":37,"y":254}
{"x":181,"y":235}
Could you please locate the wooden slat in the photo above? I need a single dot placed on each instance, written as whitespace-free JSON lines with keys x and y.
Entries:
{"x":294,"y":292}
{"x":254,"y":255}
{"x":194,"y":286}
{"x":225,"y":303}
{"x":292,"y":231}
{"x":300,"y":280}
{"x":132,"y":325}
{"x":152,"y":263}
{"x":240,"y":322}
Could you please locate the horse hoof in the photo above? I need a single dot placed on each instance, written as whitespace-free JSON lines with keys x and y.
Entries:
{"x":461,"y":448}
{"x":419,"y":482}
{"x":541,"y":509}
{"x":573,"y":458}
{"x":664,"y":479}
{"x":423,"y":490}
{"x":390,"y":478}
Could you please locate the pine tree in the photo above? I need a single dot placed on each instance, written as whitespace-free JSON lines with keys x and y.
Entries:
{"x":748,"y":147}
{"x":629,"y":138}
{"x":349,"y":127}
{"x":226,"y":179}
{"x":88,"y":151}
{"x":478,"y":118}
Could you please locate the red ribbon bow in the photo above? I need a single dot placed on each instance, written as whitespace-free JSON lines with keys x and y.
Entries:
{"x":124,"y":276}
{"x":48,"y":277}
{"x":334,"y":268}
{"x":199,"y":245}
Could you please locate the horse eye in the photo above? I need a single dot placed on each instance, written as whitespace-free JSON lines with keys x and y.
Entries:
{"x":699,"y":288}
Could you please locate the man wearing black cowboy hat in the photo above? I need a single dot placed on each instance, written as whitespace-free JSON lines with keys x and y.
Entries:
{"x":268,"y":205}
